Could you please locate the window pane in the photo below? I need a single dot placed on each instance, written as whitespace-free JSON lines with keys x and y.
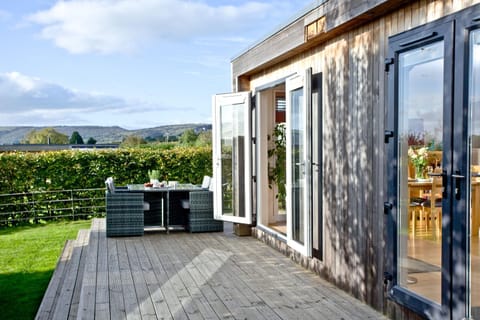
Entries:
{"x":474,"y":125}
{"x":298,"y":164}
{"x":420,"y":101}
{"x":233,"y":159}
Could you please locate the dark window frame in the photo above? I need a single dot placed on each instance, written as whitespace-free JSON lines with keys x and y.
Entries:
{"x":454,"y":29}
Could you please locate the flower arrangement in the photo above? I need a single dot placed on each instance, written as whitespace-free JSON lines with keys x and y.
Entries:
{"x":418,"y":157}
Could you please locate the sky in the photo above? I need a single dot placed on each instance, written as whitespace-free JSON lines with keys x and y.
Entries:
{"x":128,"y":63}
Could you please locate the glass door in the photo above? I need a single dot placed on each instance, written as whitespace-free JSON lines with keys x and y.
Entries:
{"x":421,"y":160}
{"x":298,"y":163}
{"x":422,"y":216}
{"x":474,"y":168}
{"x":434,"y":93}
{"x":232,"y":157}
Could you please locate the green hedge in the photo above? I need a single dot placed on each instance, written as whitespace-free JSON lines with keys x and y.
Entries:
{"x":25,"y":172}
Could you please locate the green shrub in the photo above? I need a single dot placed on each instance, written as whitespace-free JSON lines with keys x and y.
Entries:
{"x":25,"y":172}
{"x":64,"y":170}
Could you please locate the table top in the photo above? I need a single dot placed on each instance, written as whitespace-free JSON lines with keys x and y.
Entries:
{"x":142,"y":188}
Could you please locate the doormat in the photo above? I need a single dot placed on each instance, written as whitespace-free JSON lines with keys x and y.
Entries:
{"x":414,"y":265}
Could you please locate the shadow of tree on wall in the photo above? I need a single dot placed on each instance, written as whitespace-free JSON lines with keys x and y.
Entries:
{"x":353,"y":218}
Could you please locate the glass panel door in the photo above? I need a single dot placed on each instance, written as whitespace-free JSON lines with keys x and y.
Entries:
{"x":298,"y":178}
{"x":474,"y":138}
{"x":420,"y":160}
{"x":232,"y":157}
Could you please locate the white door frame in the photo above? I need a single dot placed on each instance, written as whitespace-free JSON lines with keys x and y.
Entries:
{"x":244,"y":169}
{"x":293,"y":83}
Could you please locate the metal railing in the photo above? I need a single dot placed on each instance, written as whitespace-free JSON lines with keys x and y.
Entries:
{"x":17,"y":208}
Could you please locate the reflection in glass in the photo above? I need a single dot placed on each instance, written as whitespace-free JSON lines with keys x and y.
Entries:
{"x":474,"y":138}
{"x":420,"y":144}
{"x":232,"y":159}
{"x":298,"y":163}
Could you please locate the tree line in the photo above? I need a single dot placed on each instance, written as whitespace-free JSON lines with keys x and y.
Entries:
{"x":51,"y":136}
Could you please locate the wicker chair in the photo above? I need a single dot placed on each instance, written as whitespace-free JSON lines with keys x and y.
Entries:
{"x":125,"y":216}
{"x":200,"y":217}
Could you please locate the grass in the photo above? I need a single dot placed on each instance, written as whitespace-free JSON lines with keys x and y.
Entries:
{"x":28,"y":256}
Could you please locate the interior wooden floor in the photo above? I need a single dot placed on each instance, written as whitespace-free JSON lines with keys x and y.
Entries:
{"x":425,"y":246}
{"x":279,"y":227}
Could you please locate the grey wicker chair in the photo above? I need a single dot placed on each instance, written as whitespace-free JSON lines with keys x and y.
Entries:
{"x":200,"y":217}
{"x":125,"y":215}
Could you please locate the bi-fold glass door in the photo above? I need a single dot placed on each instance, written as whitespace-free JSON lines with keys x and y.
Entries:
{"x":232,"y":157}
{"x":232,"y":160}
{"x":299,"y":170}
{"x":434,"y":111}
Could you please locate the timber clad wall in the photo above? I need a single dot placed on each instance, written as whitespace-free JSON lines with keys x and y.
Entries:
{"x":354,"y":106}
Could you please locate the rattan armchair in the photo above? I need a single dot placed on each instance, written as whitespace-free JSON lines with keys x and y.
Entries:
{"x":125,"y":215}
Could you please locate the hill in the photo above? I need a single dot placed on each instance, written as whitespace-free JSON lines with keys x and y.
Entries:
{"x":14,"y":135}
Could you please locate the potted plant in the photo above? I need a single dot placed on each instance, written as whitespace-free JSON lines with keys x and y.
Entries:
{"x":154,"y":176}
{"x":277,"y":167}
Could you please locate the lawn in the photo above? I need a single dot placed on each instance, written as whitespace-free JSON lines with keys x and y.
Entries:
{"x":28,"y":256}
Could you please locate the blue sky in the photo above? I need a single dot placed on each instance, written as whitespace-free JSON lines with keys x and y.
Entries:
{"x":131,"y":63}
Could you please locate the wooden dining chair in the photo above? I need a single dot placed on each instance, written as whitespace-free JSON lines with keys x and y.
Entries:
{"x":433,"y":205}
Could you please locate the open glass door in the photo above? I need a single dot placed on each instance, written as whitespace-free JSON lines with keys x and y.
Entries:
{"x":298,"y":163}
{"x":232,"y":157}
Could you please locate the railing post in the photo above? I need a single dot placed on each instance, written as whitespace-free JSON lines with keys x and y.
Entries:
{"x":73,"y":207}
{"x":33,"y":208}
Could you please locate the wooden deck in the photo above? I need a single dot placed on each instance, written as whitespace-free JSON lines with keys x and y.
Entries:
{"x":187,"y":276}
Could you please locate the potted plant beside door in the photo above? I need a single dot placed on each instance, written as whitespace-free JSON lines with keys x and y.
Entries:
{"x":277,"y":167}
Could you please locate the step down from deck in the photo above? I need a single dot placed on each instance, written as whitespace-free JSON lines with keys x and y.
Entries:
{"x":64,"y":287}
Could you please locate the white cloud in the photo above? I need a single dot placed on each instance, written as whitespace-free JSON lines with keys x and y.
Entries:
{"x":19,"y":92}
{"x":110,"y":26}
{"x":26,"y":100}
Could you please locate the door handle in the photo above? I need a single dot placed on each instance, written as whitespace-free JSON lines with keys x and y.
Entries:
{"x":458,"y":177}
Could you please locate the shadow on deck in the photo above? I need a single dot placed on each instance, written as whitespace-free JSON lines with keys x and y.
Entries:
{"x":187,"y":276}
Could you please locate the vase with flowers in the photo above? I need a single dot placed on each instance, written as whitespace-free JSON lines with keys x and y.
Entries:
{"x":418,"y":158}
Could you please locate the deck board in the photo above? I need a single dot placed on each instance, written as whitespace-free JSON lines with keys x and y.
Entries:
{"x":82,"y":241}
{"x":64,"y":303}
{"x":200,"y":276}
{"x":47,"y":306}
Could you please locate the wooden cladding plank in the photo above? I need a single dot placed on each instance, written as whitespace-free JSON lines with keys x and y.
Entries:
{"x":291,"y":37}
{"x":315,"y":28}
{"x":375,"y":252}
{"x":336,"y":149}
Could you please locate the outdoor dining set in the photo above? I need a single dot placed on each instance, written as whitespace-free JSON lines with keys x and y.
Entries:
{"x":133,"y":209}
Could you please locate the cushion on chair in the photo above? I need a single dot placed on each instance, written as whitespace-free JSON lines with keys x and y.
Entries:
{"x":206,"y":182}
{"x":110,"y":185}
